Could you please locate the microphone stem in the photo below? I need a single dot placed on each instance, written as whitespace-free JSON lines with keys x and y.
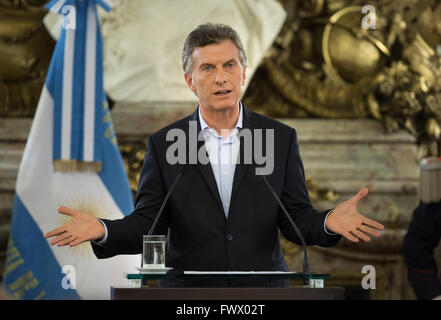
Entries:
{"x":305,"y":253}
{"x":163,"y":203}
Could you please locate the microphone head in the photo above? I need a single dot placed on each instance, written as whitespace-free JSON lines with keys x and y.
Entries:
{"x":183,"y":169}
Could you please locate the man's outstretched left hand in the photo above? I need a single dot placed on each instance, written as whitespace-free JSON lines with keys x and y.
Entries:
{"x":346,"y":221}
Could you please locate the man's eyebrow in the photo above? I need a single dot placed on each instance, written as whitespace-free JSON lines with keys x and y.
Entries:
{"x":230,"y":61}
{"x":205,"y":65}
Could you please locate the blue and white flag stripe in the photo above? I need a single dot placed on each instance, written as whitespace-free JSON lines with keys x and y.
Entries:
{"x":89,"y":95}
{"x":78,"y":109}
{"x":66,"y":99}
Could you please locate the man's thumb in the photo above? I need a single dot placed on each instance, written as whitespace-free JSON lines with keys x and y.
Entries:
{"x":361,"y":194}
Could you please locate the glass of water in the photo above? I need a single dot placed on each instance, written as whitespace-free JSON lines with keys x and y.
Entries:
{"x":153,"y":252}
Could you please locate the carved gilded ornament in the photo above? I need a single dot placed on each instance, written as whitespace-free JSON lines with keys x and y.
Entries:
{"x":325,"y":64}
{"x":25,"y":50}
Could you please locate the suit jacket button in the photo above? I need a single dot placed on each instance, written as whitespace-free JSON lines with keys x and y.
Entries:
{"x":229,"y":237}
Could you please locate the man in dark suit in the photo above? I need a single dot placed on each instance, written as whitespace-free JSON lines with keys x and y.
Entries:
{"x":221,"y":215}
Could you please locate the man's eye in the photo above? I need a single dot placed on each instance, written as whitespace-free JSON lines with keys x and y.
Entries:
{"x":230,"y":65}
{"x":206,"y":68}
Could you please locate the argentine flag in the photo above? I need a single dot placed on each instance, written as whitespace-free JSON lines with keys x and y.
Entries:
{"x":71,"y":158}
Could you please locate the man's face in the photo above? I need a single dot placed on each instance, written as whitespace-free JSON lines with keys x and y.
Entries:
{"x":217,"y":76}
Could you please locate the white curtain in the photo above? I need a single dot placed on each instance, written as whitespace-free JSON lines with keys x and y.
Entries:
{"x":143,"y":41}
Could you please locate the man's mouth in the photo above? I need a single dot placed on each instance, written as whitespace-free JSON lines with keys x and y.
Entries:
{"x":222,"y":92}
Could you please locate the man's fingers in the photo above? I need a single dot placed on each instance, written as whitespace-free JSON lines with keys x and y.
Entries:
{"x":350,"y":237}
{"x":373,"y":224}
{"x":368,"y":230}
{"x":58,"y":231}
{"x":59,"y":238}
{"x":66,"y":241}
{"x":361,"y":235}
{"x":67,"y":211}
{"x":55,"y":232}
{"x":77,"y":241}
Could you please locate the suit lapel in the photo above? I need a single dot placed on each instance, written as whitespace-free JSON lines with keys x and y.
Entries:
{"x":207,"y":173}
{"x":206,"y":169}
{"x":242,"y":169}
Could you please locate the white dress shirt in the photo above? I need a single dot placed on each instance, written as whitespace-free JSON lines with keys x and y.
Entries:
{"x":222,"y":153}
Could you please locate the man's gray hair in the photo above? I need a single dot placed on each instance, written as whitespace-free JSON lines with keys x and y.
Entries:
{"x":207,"y":34}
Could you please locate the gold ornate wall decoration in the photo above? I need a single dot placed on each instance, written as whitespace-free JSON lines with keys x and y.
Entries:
{"x":324,"y":64}
{"x":25,"y":52}
{"x":133,"y":157}
{"x":317,"y":192}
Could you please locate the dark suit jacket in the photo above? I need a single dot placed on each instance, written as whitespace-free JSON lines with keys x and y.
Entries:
{"x":200,"y":235}
{"x":422,"y":238}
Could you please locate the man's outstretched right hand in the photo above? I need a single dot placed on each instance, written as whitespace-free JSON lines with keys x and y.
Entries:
{"x":83,"y":227}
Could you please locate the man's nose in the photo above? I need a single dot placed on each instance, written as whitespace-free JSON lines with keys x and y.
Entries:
{"x":221,"y":77}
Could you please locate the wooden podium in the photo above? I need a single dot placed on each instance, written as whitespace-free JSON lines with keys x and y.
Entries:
{"x":138,"y":287}
{"x":294,"y":293}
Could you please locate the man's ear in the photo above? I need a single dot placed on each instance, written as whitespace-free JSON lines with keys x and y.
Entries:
{"x":244,"y":76}
{"x":189,"y":81}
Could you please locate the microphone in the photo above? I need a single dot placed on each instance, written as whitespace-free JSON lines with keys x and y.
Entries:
{"x":161,"y":209}
{"x":305,"y":253}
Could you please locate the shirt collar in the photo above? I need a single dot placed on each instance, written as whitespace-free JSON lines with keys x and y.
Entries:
{"x":204,"y":125}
